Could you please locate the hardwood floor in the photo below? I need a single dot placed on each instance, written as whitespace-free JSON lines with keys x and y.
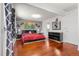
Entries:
{"x":45,"y":48}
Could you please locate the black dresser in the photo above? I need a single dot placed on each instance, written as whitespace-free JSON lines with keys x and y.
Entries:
{"x":55,"y":36}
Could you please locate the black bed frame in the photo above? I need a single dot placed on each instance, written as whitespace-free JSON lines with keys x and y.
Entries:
{"x":27,"y":31}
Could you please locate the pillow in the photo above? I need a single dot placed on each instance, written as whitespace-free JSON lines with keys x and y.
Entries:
{"x":30,"y":32}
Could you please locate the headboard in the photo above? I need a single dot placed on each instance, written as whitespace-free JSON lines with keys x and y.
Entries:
{"x":27,"y":31}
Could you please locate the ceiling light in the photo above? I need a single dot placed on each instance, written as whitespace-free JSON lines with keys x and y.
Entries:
{"x":36,"y":16}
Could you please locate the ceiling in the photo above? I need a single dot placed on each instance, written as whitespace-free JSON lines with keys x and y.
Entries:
{"x":46,"y":10}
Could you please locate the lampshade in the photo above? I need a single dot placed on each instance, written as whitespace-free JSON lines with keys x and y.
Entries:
{"x":48,"y":26}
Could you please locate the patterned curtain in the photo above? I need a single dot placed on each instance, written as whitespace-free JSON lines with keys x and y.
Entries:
{"x":10,"y":19}
{"x":13,"y":22}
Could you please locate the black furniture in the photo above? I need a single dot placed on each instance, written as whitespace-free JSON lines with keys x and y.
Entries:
{"x":19,"y":36}
{"x":27,"y":31}
{"x":55,"y":36}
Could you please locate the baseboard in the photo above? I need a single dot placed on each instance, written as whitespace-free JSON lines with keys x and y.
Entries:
{"x":34,"y":41}
{"x":56,"y":41}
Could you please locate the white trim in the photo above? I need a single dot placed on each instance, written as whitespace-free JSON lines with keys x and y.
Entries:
{"x":56,"y":41}
{"x":5,"y":34}
{"x":0,"y":31}
{"x":34,"y":42}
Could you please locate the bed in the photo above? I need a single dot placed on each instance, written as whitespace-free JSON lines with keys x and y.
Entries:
{"x":31,"y":35}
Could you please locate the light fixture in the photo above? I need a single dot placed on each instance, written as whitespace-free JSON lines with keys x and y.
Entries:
{"x":36,"y":16}
{"x":48,"y":26}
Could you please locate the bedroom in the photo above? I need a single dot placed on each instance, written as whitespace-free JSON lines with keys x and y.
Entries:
{"x":43,"y":29}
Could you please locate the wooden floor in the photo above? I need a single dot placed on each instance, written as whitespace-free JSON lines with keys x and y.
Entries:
{"x":45,"y":48}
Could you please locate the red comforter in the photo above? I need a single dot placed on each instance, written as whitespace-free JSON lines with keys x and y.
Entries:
{"x":32,"y":36}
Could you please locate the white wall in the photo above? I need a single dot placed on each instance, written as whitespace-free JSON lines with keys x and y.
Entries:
{"x":69,"y":23}
{"x":70,"y":27}
{"x":49,"y":21}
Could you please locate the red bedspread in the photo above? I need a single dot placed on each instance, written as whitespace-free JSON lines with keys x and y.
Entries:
{"x":32,"y":36}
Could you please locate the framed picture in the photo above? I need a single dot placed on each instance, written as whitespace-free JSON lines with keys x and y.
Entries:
{"x":56,"y":25}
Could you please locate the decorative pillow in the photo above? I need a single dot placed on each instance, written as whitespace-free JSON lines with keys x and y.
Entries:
{"x":30,"y":32}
